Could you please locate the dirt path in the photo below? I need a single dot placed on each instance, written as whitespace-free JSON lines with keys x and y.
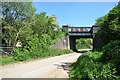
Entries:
{"x":54,"y":67}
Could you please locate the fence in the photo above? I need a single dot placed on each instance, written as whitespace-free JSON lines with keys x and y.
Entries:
{"x":5,"y":50}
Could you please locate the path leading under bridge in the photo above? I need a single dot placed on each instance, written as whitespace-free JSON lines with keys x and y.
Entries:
{"x":54,"y":67}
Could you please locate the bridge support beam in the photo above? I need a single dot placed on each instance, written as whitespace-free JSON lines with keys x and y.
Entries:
{"x":67,"y":42}
{"x":97,"y":42}
{"x":72,"y":43}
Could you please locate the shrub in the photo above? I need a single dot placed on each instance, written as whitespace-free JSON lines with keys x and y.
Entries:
{"x":21,"y":56}
{"x":111,"y":52}
{"x":88,"y":67}
{"x":110,"y":25}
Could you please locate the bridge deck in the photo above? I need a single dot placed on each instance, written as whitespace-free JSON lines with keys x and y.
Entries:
{"x":80,"y":34}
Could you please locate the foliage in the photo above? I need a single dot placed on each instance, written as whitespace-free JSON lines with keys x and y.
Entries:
{"x":20,"y":23}
{"x":99,"y":65}
{"x":111,"y":54}
{"x":14,"y":17}
{"x":26,"y":55}
{"x":36,"y":32}
{"x":45,"y":26}
{"x":88,"y":66}
{"x":110,"y":25}
{"x":6,"y":60}
{"x":83,"y":43}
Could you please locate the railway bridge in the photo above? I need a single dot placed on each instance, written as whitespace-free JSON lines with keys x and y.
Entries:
{"x":73,"y":33}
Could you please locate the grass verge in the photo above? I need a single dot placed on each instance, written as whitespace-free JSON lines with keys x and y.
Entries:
{"x":27,"y":56}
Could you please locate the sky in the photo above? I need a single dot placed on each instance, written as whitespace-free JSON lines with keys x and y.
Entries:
{"x":78,"y":14}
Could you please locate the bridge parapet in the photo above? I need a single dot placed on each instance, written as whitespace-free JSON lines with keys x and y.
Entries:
{"x":95,"y":29}
{"x":92,"y":29}
{"x":77,"y":29}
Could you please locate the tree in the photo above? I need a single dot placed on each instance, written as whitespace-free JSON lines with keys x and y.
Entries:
{"x":34,"y":31}
{"x":44,"y":27}
{"x":15,"y":15}
{"x":110,"y":25}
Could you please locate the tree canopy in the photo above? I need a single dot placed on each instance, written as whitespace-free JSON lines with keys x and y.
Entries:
{"x":15,"y":15}
{"x":20,"y":23}
{"x":110,"y":25}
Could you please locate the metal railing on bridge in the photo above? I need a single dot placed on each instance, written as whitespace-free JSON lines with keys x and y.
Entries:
{"x":79,"y":29}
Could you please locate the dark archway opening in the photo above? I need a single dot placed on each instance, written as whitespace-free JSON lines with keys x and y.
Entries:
{"x":77,"y":43}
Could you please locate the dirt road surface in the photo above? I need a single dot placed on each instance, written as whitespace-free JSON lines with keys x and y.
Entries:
{"x":54,"y":67}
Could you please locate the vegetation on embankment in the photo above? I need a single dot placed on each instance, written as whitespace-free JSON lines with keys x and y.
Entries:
{"x":28,"y":56}
{"x":109,"y":25}
{"x":32,"y":32}
{"x":105,"y":64}
{"x":98,"y":65}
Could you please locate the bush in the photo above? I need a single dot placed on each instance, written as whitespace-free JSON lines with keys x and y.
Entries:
{"x":88,"y":67}
{"x":109,"y":25}
{"x":111,"y":52}
{"x":25,"y":55}
{"x":21,"y":55}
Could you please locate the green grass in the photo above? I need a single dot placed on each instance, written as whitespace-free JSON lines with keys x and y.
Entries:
{"x":6,"y":60}
{"x":28,"y":56}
